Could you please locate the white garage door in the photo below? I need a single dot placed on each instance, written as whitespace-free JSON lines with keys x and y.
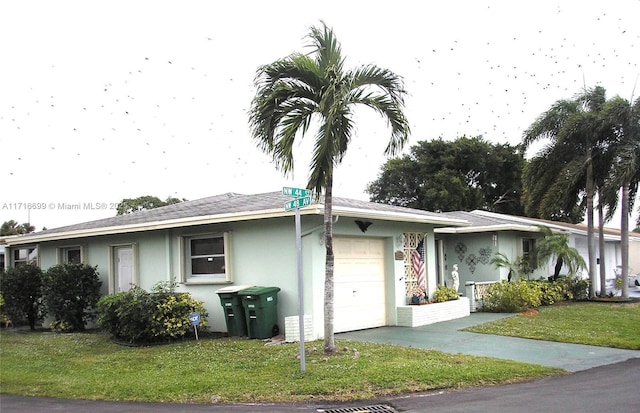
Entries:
{"x":359,"y":290}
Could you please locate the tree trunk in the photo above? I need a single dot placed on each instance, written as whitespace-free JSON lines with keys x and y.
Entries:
{"x":590,"y":238}
{"x":624,"y":239}
{"x":329,"y":341}
{"x":601,"y":250}
{"x":558,"y":268}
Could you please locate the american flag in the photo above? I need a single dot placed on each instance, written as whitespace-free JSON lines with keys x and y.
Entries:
{"x":417,"y":261}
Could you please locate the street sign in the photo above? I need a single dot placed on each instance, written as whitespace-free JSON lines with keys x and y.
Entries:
{"x":297,"y":203}
{"x":296,"y":192}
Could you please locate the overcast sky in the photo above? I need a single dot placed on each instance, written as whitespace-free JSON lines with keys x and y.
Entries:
{"x":101,"y":101}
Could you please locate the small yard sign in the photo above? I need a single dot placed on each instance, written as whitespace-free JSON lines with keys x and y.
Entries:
{"x":194,"y":318}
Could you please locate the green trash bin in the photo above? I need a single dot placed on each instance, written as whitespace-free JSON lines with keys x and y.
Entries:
{"x":261,"y":311}
{"x":233,"y":310}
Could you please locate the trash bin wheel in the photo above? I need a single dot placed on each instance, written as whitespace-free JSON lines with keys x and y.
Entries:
{"x":275,"y":330}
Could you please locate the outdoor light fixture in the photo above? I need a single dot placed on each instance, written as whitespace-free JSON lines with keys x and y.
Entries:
{"x":495,"y":240}
{"x":363,"y":225}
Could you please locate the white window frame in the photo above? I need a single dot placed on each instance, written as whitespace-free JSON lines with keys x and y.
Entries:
{"x":63,"y":251}
{"x":185,"y":249}
{"x":34,"y":261}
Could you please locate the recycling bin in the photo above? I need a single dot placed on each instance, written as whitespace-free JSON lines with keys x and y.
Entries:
{"x":261,"y":311}
{"x":233,"y":310}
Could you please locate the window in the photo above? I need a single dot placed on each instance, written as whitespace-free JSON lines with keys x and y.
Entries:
{"x":25,"y":255}
{"x":206,"y":258}
{"x":70,"y":255}
{"x":527,"y":246}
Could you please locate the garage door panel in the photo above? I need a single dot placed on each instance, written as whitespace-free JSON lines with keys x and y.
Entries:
{"x":359,"y":283}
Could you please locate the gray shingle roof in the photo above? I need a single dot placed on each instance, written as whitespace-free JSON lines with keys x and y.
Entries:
{"x":229,"y":203}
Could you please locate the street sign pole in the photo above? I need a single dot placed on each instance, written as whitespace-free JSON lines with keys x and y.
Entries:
{"x":302,"y":198}
{"x":300,"y":291}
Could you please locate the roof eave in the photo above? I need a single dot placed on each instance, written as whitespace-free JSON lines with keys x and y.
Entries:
{"x":157,"y":225}
{"x":488,"y":228}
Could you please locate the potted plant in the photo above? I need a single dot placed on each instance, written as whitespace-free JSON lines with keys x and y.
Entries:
{"x":418,"y":295}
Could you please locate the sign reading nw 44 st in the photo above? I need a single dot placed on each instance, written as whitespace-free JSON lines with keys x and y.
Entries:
{"x":296,"y":192}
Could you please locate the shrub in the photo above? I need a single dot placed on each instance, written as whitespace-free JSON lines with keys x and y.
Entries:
{"x":4,"y":319}
{"x":22,"y":290}
{"x":551,"y":292}
{"x":512,"y":297}
{"x":574,"y":288}
{"x":138,"y":316}
{"x":443,"y":294}
{"x":71,"y":292}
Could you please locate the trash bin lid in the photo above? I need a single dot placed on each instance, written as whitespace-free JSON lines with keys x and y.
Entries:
{"x":259,"y":290}
{"x":232,"y":289}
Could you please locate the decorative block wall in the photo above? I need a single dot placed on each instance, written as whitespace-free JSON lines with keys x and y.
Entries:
{"x":421,"y":315}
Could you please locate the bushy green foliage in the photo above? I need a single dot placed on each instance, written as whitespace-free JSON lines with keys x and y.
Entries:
{"x":22,"y":290}
{"x":3,"y":315}
{"x":523,"y":295}
{"x":138,"y":316}
{"x":551,"y":292}
{"x":71,"y":292}
{"x":512,"y":297}
{"x":574,"y":288}
{"x":443,"y":294}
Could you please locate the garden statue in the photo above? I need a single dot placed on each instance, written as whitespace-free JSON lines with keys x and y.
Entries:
{"x":455,"y":277}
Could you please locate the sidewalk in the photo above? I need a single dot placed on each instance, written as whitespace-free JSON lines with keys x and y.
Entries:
{"x":447,"y":337}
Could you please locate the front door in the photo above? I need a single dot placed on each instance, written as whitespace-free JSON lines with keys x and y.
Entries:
{"x":123,"y":257}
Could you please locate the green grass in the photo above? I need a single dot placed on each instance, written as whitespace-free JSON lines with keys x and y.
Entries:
{"x":597,"y":324}
{"x":89,"y":366}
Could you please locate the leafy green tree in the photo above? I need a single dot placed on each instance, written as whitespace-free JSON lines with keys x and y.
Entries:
{"x":21,"y":288}
{"x":11,"y":227}
{"x":556,"y":246}
{"x":565,"y":166}
{"x":465,"y":174}
{"x":129,"y":205}
{"x":300,"y":88}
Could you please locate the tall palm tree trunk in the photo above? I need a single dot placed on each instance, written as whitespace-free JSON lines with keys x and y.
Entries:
{"x":590,"y":238}
{"x":329,"y":341}
{"x":603,"y":268}
{"x":624,"y":241}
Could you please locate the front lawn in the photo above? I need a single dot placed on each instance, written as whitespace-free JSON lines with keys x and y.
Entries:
{"x":592,"y":323}
{"x":89,"y":366}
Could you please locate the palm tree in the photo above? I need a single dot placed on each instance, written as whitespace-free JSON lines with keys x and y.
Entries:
{"x":622,"y":120}
{"x":501,"y":260}
{"x":556,"y":246}
{"x":573,"y":128}
{"x":11,"y":227}
{"x":293,"y":91}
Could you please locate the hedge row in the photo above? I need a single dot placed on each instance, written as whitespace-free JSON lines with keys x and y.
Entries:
{"x":513,"y":297}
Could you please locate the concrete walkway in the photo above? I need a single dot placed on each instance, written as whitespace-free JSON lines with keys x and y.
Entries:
{"x":447,"y":337}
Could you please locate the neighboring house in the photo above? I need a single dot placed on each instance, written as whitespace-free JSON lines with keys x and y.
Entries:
{"x":472,"y":247}
{"x":235,"y":239}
